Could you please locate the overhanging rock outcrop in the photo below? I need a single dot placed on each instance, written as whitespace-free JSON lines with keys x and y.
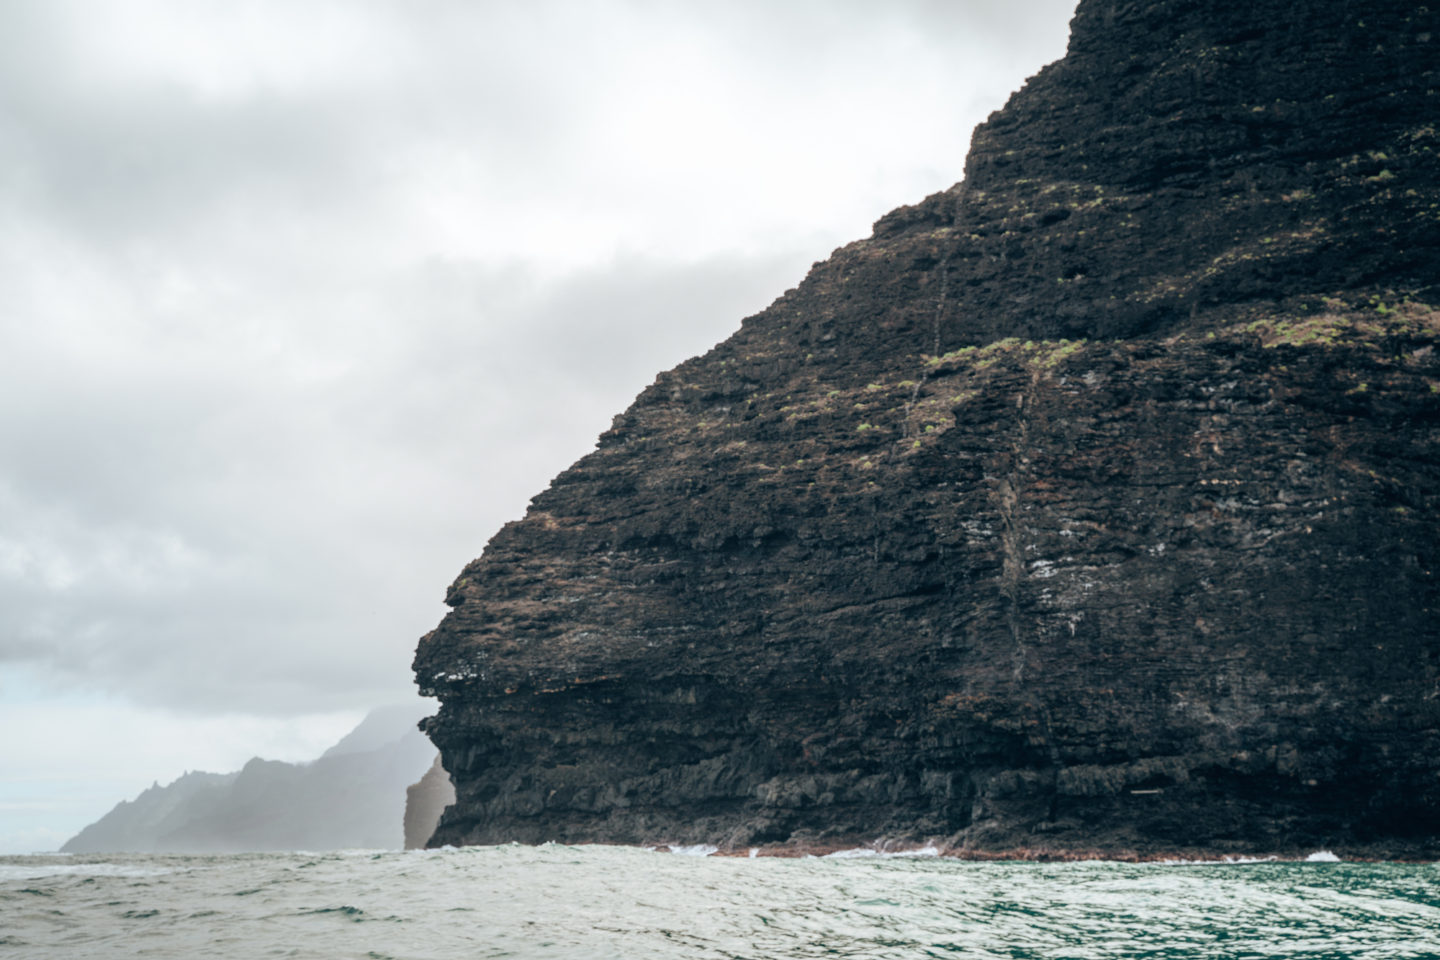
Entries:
{"x":1090,"y":504}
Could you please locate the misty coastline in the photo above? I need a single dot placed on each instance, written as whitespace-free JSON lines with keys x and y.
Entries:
{"x":353,"y":796}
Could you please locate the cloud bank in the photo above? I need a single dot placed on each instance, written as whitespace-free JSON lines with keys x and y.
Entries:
{"x":300,"y":302}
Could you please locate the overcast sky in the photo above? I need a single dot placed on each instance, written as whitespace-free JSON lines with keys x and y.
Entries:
{"x":299,"y":302}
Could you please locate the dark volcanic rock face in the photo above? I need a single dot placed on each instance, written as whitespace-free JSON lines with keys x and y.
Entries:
{"x":1088,"y":505}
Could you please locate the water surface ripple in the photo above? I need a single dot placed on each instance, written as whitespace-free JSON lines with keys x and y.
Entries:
{"x":591,"y":903}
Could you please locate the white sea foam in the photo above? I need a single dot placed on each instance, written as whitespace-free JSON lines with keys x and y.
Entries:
{"x":1224,"y":861}
{"x":929,"y":850}
{"x":698,"y":850}
{"x":38,"y":871}
{"x":1322,"y":856}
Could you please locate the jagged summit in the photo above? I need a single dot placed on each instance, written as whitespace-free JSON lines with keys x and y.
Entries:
{"x":1181,"y":159}
{"x":1087,"y":505}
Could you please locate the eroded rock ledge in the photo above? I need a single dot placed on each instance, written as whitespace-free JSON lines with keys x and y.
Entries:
{"x":1090,"y":504}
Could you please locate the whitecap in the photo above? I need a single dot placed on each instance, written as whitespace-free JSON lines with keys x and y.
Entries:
{"x":38,"y":871}
{"x":929,"y":850}
{"x":1226,"y":861}
{"x":1322,"y":856}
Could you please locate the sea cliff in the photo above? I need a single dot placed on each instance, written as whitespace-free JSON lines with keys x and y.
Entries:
{"x":1087,"y":506}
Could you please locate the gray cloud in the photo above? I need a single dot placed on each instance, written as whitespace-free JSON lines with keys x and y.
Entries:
{"x":301,"y":302}
{"x":281,"y":546}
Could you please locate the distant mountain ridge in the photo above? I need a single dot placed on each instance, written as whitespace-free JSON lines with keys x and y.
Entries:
{"x":381,"y":727}
{"x":352,"y":796}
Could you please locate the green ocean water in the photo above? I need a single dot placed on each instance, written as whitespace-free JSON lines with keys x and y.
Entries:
{"x":606,"y":902}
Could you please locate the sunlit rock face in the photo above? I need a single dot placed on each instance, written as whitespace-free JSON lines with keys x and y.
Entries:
{"x":1089,"y":505}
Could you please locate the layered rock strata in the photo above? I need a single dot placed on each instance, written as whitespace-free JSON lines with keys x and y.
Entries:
{"x":1090,"y":504}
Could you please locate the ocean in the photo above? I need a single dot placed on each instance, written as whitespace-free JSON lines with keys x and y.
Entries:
{"x":591,"y":903}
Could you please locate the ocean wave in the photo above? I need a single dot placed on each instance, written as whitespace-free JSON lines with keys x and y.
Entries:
{"x":582,"y":902}
{"x":39,"y":871}
{"x":929,"y":850}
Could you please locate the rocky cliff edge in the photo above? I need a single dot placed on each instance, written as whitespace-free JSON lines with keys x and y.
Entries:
{"x":1088,"y":505}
